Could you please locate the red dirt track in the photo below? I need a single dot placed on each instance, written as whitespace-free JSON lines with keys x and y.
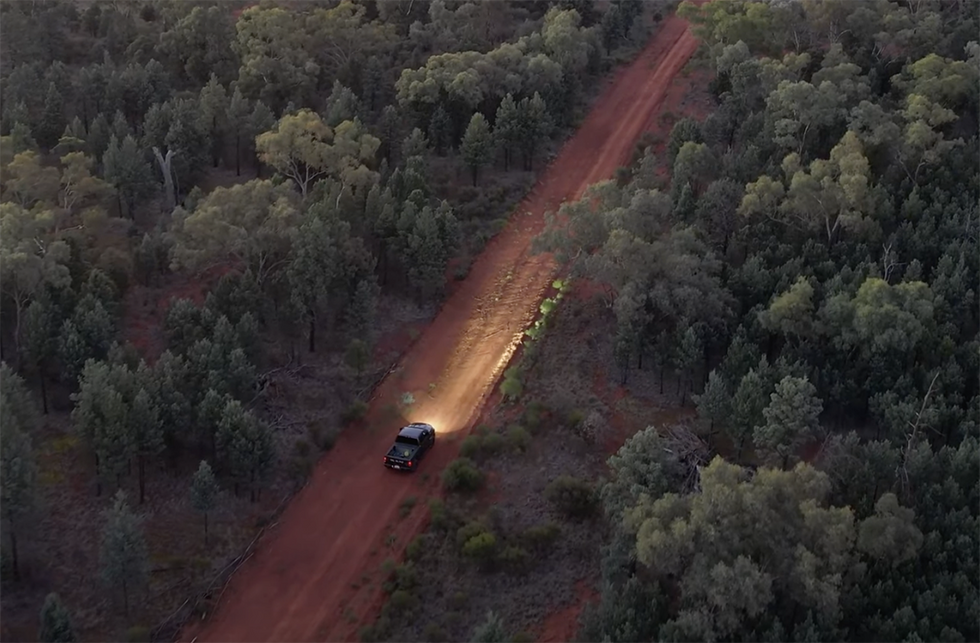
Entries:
{"x":315,"y":575}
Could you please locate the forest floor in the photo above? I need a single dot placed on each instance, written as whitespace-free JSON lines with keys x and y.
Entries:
{"x":317,"y":575}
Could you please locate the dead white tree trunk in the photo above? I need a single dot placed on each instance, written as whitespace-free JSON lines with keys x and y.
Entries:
{"x":168,"y":178}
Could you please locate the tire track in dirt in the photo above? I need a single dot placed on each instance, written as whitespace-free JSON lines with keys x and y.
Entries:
{"x":315,"y":576}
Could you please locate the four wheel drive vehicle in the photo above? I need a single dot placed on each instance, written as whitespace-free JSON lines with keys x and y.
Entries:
{"x":411,"y":445}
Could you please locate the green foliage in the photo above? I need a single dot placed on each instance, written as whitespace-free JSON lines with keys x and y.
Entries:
{"x":512,"y":385}
{"x":791,"y":418}
{"x":246,"y":446}
{"x":541,"y":538}
{"x":204,"y":492}
{"x":123,"y":553}
{"x":573,"y":497}
{"x":18,"y":469}
{"x":482,"y":446}
{"x":357,"y":355}
{"x":477,"y":144}
{"x":304,"y":149}
{"x":481,"y":548}
{"x":643,"y":465}
{"x":252,"y":224}
{"x":125,"y":168}
{"x":533,"y":415}
{"x":513,"y":558}
{"x":439,"y":518}
{"x":138,"y":634}
{"x":491,"y":630}
{"x":715,"y":403}
{"x":519,"y":438}
{"x":462,"y":475}
{"x":430,"y":238}
{"x":355,"y":412}
{"x":56,"y":625}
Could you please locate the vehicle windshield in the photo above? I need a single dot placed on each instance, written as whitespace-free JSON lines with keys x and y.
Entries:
{"x":402,"y":439}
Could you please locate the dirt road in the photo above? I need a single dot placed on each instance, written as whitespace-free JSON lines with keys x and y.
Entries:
{"x":315,"y":576}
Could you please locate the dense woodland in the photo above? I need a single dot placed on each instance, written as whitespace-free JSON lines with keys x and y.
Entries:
{"x":811,"y":269}
{"x":307,"y":160}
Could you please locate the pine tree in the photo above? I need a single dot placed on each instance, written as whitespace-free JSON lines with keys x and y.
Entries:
{"x":441,"y":130}
{"x":748,"y":404}
{"x":214,"y":104}
{"x":144,"y":424}
{"x":238,"y":124}
{"x":259,"y":121}
{"x":535,"y":126}
{"x":246,"y":443}
{"x":40,"y":332}
{"x":123,"y":554}
{"x":52,"y":122}
{"x":56,"y":624}
{"x":477,"y":144}
{"x":120,"y":126}
{"x":415,"y":144}
{"x":342,"y":105}
{"x":791,"y":418}
{"x":426,"y":250}
{"x":127,"y":169}
{"x":18,"y":474}
{"x":204,"y":492}
{"x":506,"y":128}
{"x":688,"y":353}
{"x":98,"y":137}
{"x":21,"y":140}
{"x":208,"y":416}
{"x":113,"y":438}
{"x":715,"y":404}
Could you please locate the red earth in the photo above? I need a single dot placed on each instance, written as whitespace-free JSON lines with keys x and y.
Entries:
{"x":562,"y":625}
{"x":315,"y":577}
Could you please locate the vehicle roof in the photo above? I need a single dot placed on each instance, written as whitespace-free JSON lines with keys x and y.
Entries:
{"x":414,"y":430}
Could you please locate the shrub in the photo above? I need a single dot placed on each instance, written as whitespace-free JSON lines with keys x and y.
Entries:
{"x":137,"y":634}
{"x":462,"y":475}
{"x":302,"y":448}
{"x":405,"y":577}
{"x":469,"y":530}
{"x":458,"y":600}
{"x":574,"y":497}
{"x":322,"y":437}
{"x":358,"y":355}
{"x":434,"y":633}
{"x":407,"y":505}
{"x":414,"y":549}
{"x":523,"y":637}
{"x":512,"y":386}
{"x":376,"y":632}
{"x":118,"y":265}
{"x":574,"y":419}
{"x":540,"y":538}
{"x":462,"y":269}
{"x":534,"y":416}
{"x":482,"y":445}
{"x":402,"y":600}
{"x":481,"y":547}
{"x":519,"y":438}
{"x":300,"y":468}
{"x":438,"y":519}
{"x":356,"y":411}
{"x":471,"y":446}
{"x":493,"y":444}
{"x":515,"y":559}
